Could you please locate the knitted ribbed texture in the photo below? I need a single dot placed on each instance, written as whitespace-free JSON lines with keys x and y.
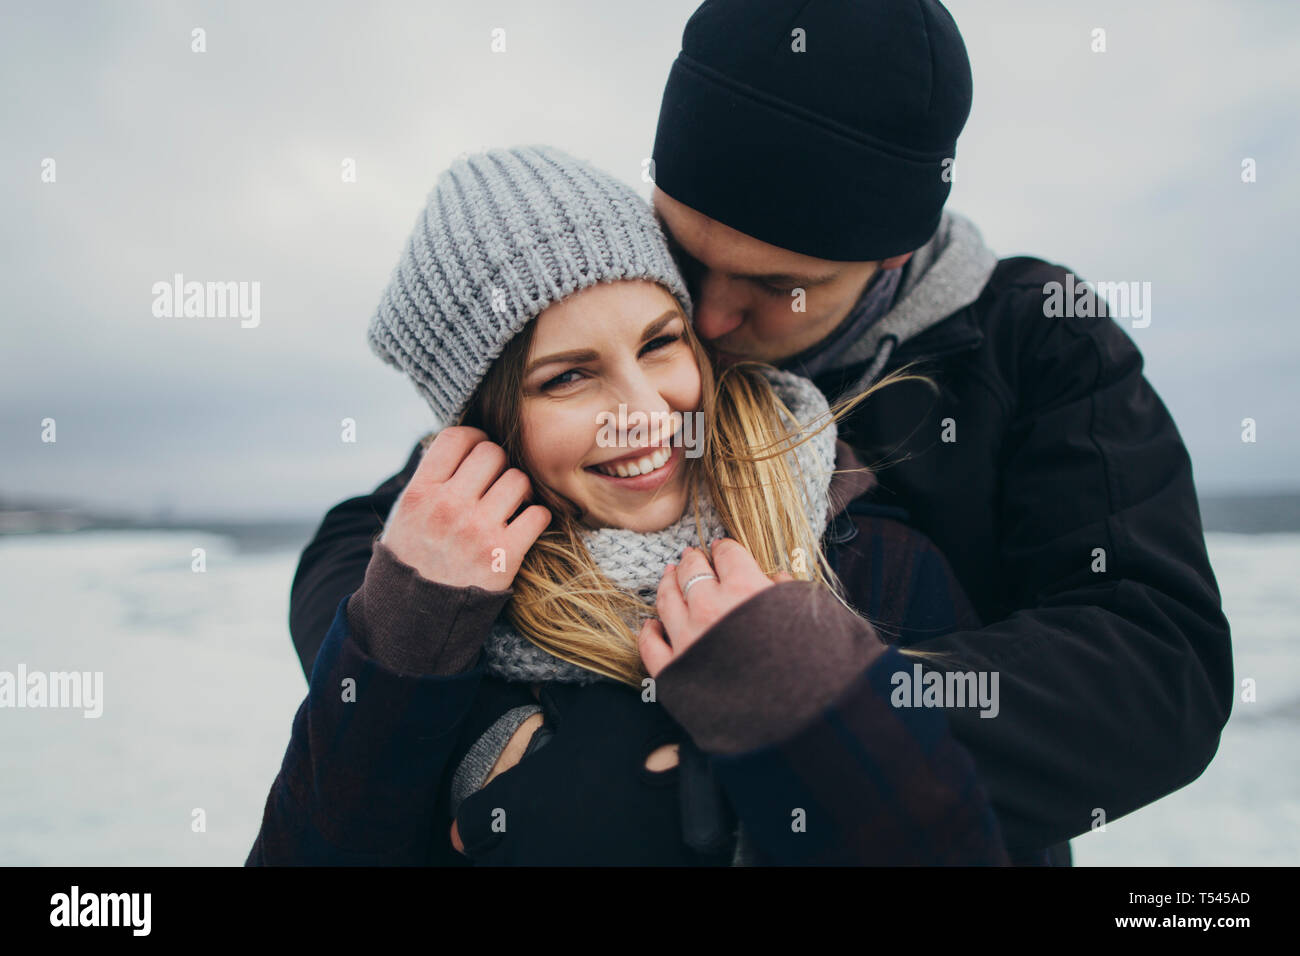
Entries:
{"x":635,"y":561}
{"x":504,"y":234}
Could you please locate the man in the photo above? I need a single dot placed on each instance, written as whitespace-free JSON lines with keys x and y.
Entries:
{"x":802,"y":161}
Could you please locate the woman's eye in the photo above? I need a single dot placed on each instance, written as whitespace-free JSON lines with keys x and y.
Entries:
{"x":776,"y":289}
{"x":662,"y":342}
{"x":561,"y":380}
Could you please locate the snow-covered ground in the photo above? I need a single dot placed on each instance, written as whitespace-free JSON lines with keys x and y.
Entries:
{"x":201,"y":683}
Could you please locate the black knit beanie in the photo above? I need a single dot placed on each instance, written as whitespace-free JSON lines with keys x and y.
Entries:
{"x":836,"y":151}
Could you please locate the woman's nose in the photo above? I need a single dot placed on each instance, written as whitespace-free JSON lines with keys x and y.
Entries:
{"x":648,"y":413}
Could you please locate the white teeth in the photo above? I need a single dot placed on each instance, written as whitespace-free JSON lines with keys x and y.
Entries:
{"x":642,"y":466}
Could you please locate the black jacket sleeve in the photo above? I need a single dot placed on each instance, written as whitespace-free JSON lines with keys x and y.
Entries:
{"x":1115,"y":670}
{"x":368,"y":756}
{"x":333,"y":564}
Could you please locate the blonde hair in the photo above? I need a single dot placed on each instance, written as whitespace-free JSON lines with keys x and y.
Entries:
{"x":562,"y":601}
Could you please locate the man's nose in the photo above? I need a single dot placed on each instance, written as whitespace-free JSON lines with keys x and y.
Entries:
{"x":719,"y":307}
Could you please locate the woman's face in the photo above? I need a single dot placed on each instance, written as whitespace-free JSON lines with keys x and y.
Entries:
{"x":613,"y":344}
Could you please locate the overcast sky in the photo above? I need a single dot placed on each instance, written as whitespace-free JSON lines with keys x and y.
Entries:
{"x":225,"y":165}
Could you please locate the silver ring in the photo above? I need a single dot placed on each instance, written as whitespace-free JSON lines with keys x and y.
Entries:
{"x":695,"y":579}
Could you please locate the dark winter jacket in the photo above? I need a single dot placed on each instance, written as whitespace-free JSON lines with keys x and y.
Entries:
{"x":783,"y":722}
{"x":1054,"y":480}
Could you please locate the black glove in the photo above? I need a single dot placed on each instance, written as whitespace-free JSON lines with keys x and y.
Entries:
{"x":582,"y":794}
{"x":494,"y":699}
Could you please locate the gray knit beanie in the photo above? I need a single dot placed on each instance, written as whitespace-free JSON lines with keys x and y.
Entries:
{"x":505,"y":234}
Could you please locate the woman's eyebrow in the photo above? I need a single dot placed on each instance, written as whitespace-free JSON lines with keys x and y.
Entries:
{"x":657,"y":326}
{"x":573,"y":355}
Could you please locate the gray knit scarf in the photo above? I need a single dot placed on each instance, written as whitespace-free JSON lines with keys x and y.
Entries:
{"x":635,"y":561}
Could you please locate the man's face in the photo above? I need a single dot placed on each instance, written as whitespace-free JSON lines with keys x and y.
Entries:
{"x":744,"y":289}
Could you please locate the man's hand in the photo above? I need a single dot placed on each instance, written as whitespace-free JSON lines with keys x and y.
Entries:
{"x":452,"y":522}
{"x":736,"y":577}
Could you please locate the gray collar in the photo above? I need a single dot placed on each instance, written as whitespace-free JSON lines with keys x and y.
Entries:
{"x":944,"y":276}
{"x":876,"y":300}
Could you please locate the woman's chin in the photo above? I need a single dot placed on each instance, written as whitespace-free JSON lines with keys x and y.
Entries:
{"x":655,"y":515}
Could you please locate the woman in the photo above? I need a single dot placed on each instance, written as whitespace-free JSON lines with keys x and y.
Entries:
{"x":667,"y":601}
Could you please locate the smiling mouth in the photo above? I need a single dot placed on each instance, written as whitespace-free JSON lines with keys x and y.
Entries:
{"x":631,"y":467}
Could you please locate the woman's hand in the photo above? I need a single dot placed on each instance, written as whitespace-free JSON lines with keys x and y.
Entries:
{"x":452,"y":522}
{"x":735,"y":577}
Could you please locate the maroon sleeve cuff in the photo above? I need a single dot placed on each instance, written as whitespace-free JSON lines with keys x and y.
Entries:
{"x":768,"y":669}
{"x":416,"y":626}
